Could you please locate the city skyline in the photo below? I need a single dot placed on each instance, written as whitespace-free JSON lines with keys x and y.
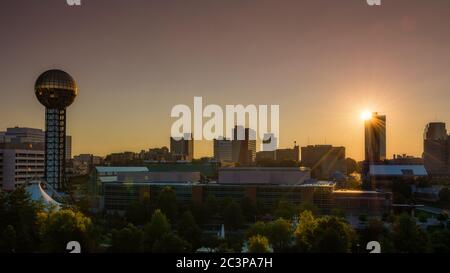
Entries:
{"x":323,"y":80}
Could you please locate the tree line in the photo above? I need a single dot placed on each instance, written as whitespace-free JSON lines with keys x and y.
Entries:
{"x":164,"y":225}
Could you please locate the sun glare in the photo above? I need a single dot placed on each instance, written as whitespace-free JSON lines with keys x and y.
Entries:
{"x":365,"y":115}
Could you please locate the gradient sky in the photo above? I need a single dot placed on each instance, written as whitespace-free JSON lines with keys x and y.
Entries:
{"x":322,"y":61}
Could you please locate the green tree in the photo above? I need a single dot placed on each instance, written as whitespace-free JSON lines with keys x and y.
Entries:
{"x":280,"y":235}
{"x":235,"y":242}
{"x":401,"y":191}
{"x":327,"y":234}
{"x":407,"y":236}
{"x":338,"y":213}
{"x":139,"y":212}
{"x":127,"y":240}
{"x":285,"y":209}
{"x":304,"y":232}
{"x":171,"y":243}
{"x":211,"y":241}
{"x":8,"y":240}
{"x":189,"y":230}
{"x":261,"y":208}
{"x":353,"y":182}
{"x":352,"y":166}
{"x":200,"y":213}
{"x":422,"y":217}
{"x":362,"y":218}
{"x":167,"y":203}
{"x":376,"y":231}
{"x":84,"y":205}
{"x":232,"y":216}
{"x":115,"y":221}
{"x":258,"y":244}
{"x":332,"y":235}
{"x":155,"y":229}
{"x":224,"y":247}
{"x":57,"y":228}
{"x":444,"y":196}
{"x":440,"y":241}
{"x":3,"y":210}
{"x":258,"y":228}
{"x":249,"y":209}
{"x":19,"y":211}
{"x":308,"y":206}
{"x":212,"y":205}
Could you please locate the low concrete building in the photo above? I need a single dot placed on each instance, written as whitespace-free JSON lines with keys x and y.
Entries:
{"x":264,"y":176}
{"x":103,"y":174}
{"x":120,"y":186}
{"x":355,"y":202}
{"x":159,"y":177}
{"x":381,"y":176}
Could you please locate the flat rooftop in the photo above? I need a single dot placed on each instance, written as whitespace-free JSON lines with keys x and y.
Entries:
{"x":398,"y":170}
{"x":268,"y":169}
{"x":121,"y":169}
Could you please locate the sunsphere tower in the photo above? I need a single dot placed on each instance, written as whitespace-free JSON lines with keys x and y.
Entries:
{"x":56,"y":90}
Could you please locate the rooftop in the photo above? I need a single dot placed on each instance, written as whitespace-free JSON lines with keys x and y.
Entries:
{"x":355,"y":191}
{"x":291,"y":169}
{"x":121,"y":169}
{"x":398,"y":170}
{"x":108,"y":179}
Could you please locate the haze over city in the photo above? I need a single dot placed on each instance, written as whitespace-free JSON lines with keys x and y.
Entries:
{"x":135,"y":60}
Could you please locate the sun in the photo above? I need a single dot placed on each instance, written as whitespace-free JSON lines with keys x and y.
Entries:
{"x":366,"y":115}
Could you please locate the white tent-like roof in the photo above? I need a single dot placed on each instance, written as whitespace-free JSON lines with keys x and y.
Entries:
{"x":37,"y":193}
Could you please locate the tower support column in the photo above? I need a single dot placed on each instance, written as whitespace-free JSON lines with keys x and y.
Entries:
{"x":55,"y":144}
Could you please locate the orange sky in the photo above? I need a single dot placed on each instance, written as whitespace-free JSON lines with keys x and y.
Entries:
{"x":322,"y":61}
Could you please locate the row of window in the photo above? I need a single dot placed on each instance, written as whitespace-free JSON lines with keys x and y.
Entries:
{"x":39,"y":155}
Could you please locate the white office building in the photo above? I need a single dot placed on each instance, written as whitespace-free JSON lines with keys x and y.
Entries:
{"x":20,"y":164}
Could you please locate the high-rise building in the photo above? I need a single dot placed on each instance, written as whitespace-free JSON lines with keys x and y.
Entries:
{"x":20,"y":163}
{"x":56,"y":90}
{"x":182,"y":149}
{"x":23,"y":135}
{"x":375,"y":138}
{"x":436,"y":149}
{"x":244,"y":145}
{"x":223,"y":150}
{"x":324,"y":160}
